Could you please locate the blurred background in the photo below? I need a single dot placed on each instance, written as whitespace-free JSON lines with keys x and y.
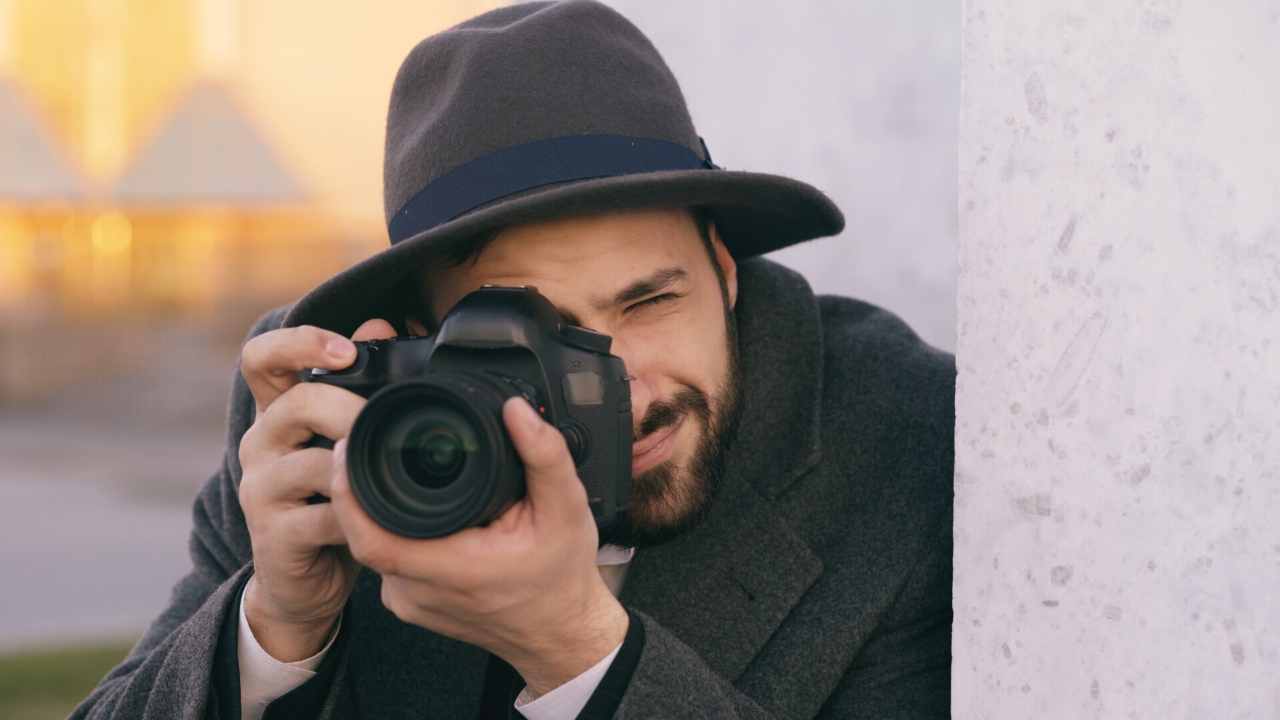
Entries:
{"x":170,"y":170}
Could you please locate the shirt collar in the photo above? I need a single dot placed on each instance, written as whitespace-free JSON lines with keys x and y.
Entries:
{"x":614,"y":555}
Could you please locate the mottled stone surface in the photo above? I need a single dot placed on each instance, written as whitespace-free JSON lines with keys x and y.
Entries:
{"x":1118,"y":428}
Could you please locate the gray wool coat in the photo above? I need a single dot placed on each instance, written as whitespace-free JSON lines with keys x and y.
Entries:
{"x":819,"y":586}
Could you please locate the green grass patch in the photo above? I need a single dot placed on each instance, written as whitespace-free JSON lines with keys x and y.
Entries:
{"x":40,"y":684}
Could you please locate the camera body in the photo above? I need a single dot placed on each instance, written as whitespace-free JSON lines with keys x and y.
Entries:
{"x":429,"y":454}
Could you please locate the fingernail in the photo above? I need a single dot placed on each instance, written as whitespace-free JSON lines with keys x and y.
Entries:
{"x":340,"y":348}
{"x":527,"y":416}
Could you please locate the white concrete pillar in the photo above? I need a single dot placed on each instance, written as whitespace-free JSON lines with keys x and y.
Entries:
{"x":1118,"y":407}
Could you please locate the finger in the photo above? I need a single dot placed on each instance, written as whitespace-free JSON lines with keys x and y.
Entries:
{"x":376,"y":329}
{"x":271,"y":361}
{"x":305,"y":410}
{"x":296,"y":476}
{"x":416,"y":327}
{"x":464,"y":553}
{"x":370,"y":545}
{"x":552,"y":481}
{"x":316,"y":525}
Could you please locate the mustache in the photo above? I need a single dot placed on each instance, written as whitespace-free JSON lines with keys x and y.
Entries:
{"x":665,"y":413}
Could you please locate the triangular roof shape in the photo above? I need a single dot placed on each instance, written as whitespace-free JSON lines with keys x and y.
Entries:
{"x":32,"y":167}
{"x":207,"y":152}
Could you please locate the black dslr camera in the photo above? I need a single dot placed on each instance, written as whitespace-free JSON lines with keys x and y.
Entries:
{"x":429,"y":454}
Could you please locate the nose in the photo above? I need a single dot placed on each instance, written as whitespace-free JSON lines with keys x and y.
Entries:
{"x":641,"y":397}
{"x":642,"y":390}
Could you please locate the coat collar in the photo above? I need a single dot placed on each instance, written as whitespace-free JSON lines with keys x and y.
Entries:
{"x":725,"y":586}
{"x":722,"y":588}
{"x":780,"y":344}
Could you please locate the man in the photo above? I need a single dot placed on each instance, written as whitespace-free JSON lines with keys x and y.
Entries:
{"x":790,"y":519}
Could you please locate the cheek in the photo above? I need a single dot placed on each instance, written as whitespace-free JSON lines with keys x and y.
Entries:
{"x":675,"y":353}
{"x":691,"y":433}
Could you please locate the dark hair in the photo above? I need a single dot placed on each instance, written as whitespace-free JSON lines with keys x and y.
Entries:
{"x":468,"y":251}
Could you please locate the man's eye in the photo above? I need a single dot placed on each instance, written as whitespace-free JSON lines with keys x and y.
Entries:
{"x":655,"y":300}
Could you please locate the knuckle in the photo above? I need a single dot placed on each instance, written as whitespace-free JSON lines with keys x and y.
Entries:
{"x":283,"y":349}
{"x":560,"y":448}
{"x":288,"y":400}
{"x":253,"y":493}
{"x":310,"y":337}
{"x":465,"y":579}
{"x":577,"y":495}
{"x":369,"y":556}
{"x":326,"y":524}
{"x":316,"y":462}
{"x":386,"y":562}
{"x":392,"y":601}
{"x":260,"y":352}
{"x":549,"y":447}
{"x":338,"y":491}
{"x":246,"y":493}
{"x":293,"y":404}
{"x":245,"y":451}
{"x":552,"y":438}
{"x":483,"y":603}
{"x":242,"y":451}
{"x":253,"y":352}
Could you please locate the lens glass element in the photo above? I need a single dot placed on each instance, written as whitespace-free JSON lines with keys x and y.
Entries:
{"x":429,"y":457}
{"x":435,"y":447}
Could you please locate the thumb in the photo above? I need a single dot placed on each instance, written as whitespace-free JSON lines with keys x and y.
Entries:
{"x":376,"y":329}
{"x":552,"y":480}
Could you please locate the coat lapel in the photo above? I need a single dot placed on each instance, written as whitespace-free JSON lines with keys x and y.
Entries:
{"x":725,"y":586}
{"x":409,"y":667}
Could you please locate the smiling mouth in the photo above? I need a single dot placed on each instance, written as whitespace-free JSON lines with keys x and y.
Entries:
{"x":655,"y":442}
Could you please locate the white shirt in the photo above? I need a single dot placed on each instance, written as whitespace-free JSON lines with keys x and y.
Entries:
{"x":264,"y":678}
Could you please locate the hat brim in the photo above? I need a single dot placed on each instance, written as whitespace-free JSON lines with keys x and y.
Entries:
{"x":755,"y":213}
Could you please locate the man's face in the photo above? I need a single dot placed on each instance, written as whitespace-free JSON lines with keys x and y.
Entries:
{"x":643,"y":277}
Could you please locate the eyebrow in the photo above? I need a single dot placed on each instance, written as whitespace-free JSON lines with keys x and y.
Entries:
{"x":655,"y":283}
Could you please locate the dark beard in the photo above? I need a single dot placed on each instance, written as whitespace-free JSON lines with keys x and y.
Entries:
{"x":682,"y":506}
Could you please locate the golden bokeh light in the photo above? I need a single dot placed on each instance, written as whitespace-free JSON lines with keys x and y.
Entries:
{"x":112,"y":234}
{"x":305,"y":87}
{"x":16,"y":259}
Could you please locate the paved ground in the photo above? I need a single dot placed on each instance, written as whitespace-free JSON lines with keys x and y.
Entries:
{"x":95,"y":492}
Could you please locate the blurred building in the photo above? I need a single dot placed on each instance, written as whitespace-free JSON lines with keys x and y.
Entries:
{"x":134,"y":181}
{"x":189,"y":160}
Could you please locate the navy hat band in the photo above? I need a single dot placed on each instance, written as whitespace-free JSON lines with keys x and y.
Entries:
{"x":531,"y":165}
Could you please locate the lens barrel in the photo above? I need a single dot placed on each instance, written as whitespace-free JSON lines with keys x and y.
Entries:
{"x":429,"y":457}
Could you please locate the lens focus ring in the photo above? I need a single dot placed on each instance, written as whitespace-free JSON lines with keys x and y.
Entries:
{"x":429,"y":457}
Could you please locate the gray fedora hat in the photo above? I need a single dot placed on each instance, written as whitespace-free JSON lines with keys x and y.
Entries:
{"x":540,"y":110}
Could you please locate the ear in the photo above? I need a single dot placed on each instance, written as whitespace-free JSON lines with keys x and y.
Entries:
{"x":727,"y":264}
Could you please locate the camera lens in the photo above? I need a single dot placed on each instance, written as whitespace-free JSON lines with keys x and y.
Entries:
{"x":435,"y":449}
{"x":430,"y":457}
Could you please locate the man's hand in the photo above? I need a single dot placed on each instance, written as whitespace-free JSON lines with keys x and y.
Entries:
{"x":525,"y":587}
{"x":303,"y":573}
